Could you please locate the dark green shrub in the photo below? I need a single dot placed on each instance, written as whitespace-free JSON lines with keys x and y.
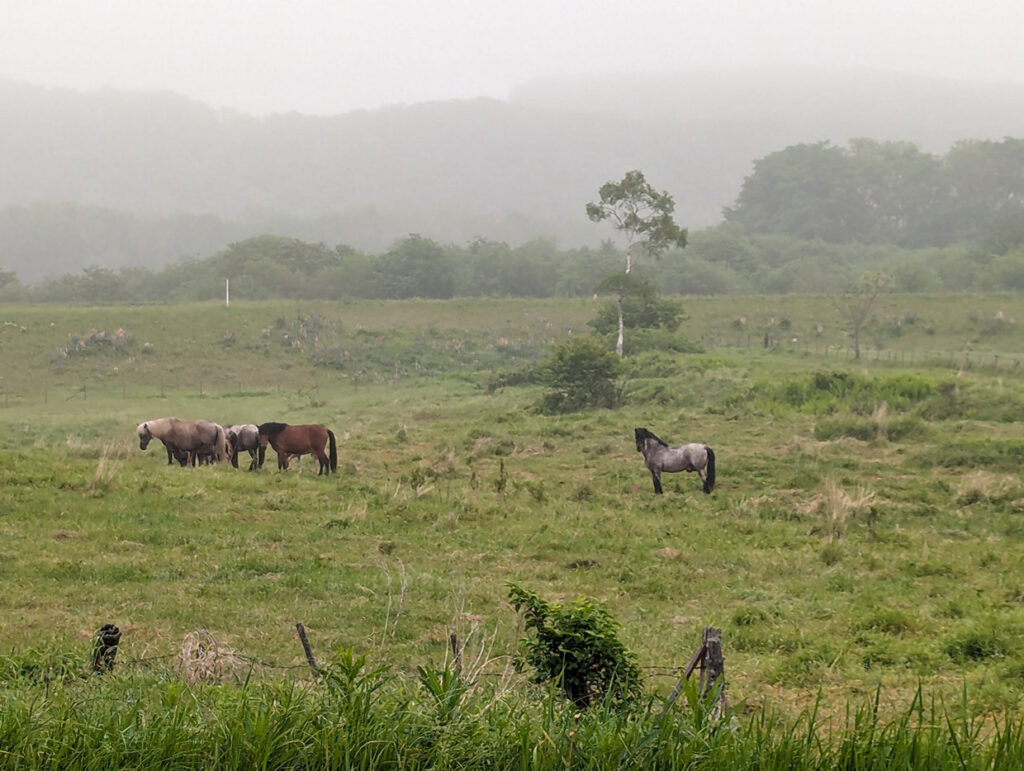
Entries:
{"x":641,"y":340}
{"x":977,"y":643}
{"x":580,"y":374}
{"x":642,"y":308}
{"x":575,"y":646}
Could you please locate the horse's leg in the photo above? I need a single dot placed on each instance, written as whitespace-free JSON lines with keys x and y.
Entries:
{"x":252,"y":463}
{"x":321,"y":458}
{"x":656,"y":476}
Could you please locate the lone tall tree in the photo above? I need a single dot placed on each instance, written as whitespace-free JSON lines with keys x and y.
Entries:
{"x":643,"y":216}
{"x":857,"y":305}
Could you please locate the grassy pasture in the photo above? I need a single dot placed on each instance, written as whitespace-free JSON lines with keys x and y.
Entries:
{"x":866,"y":530}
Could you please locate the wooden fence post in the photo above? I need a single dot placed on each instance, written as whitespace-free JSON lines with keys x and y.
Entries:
{"x":105,"y":649}
{"x":453,"y":640}
{"x":714,"y":665}
{"x":306,"y":648}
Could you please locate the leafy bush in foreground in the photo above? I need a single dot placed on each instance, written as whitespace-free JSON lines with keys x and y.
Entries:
{"x":576,"y":646}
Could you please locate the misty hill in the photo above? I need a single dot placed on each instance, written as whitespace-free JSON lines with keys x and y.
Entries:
{"x":108,"y":167}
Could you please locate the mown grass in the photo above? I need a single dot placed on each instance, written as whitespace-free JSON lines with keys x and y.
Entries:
{"x":865,"y":536}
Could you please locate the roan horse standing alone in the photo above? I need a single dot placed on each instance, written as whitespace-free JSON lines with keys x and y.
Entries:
{"x":292,"y":441}
{"x":185,"y":436}
{"x":660,"y":457}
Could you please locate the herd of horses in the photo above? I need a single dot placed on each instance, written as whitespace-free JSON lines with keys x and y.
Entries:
{"x":194,"y":441}
{"x":190,"y":442}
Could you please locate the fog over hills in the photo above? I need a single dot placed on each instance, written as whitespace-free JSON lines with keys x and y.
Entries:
{"x":508,"y":170}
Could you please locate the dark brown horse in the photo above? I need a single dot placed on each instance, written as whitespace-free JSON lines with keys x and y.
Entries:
{"x":292,"y":441}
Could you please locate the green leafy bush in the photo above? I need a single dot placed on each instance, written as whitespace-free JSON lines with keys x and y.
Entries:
{"x":579,"y":374}
{"x":576,"y":646}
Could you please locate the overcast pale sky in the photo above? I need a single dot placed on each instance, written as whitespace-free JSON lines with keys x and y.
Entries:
{"x":331,"y":56}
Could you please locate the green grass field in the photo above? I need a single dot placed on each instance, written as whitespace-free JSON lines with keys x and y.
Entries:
{"x":866,"y":534}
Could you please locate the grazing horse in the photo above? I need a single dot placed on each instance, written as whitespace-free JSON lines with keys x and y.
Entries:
{"x":660,"y":457}
{"x":292,"y":441}
{"x":187,"y":438}
{"x":243,"y":437}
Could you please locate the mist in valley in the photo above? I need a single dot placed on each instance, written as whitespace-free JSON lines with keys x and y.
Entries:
{"x":470,"y":130}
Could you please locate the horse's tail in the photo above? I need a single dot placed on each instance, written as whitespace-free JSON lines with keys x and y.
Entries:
{"x":334,"y":450}
{"x":221,"y":451}
{"x":709,"y":470}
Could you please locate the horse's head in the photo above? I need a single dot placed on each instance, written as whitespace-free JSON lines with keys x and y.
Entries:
{"x":642,"y":435}
{"x":144,"y":435}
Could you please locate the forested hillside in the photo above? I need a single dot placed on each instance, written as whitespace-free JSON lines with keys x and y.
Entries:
{"x":888,"y":193}
{"x":118,"y":179}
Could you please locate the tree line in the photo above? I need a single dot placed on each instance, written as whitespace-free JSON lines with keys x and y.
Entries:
{"x":810,"y":219}
{"x":885,"y":193}
{"x":722,"y":260}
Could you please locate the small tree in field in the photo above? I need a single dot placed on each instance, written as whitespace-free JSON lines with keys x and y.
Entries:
{"x":857,"y":305}
{"x":579,"y":374}
{"x":644,"y":217}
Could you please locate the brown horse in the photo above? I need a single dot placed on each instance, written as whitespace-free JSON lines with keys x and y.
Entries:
{"x":292,"y":441}
{"x":192,"y":437}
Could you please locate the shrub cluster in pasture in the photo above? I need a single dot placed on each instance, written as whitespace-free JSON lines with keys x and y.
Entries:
{"x":576,"y":646}
{"x":580,"y":374}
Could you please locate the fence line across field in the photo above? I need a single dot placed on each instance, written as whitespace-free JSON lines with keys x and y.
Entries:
{"x":997,"y":360}
{"x":199,"y":647}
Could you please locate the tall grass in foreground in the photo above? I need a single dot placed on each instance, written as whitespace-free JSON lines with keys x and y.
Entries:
{"x":358,"y":717}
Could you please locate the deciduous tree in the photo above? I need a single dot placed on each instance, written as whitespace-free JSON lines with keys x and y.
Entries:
{"x":644,"y":217}
{"x":857,"y":305}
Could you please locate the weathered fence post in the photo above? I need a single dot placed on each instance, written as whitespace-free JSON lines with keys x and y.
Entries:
{"x":105,"y":648}
{"x":713,"y":667}
{"x":306,"y":647}
{"x":453,"y":640}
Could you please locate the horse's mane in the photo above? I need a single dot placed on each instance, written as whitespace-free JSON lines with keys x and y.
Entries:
{"x":159,"y":424}
{"x":271,"y":429}
{"x":643,"y":433}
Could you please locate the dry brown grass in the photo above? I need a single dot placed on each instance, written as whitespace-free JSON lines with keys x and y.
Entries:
{"x":201,"y":659}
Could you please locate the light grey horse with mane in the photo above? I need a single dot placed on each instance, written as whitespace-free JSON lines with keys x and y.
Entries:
{"x":660,"y":457}
{"x":195,"y":437}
